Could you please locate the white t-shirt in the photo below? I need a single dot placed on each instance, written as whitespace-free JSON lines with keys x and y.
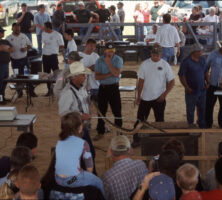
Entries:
{"x":155,"y":75}
{"x":71,"y":46}
{"x":167,"y":36}
{"x":209,"y":18}
{"x":17,"y":43}
{"x":51,"y":42}
{"x":88,"y":61}
{"x":150,"y":36}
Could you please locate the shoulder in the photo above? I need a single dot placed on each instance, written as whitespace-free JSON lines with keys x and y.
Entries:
{"x":117,"y":58}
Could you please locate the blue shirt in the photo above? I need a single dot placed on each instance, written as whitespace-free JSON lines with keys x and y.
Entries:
{"x":194,"y":73}
{"x":102,"y":67}
{"x":41,"y":19}
{"x":68,"y":156}
{"x":214,"y":61}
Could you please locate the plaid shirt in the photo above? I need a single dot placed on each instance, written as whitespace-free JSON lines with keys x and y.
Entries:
{"x":123,"y":178}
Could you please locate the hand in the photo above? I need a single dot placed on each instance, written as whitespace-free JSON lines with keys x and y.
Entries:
{"x":178,"y":52}
{"x":148,"y":178}
{"x":189,"y":90}
{"x":32,"y":29}
{"x":85,"y":116}
{"x":107,"y":59}
{"x":23,"y":49}
{"x":161,"y":98}
{"x":138,"y":99}
{"x":207,"y":85}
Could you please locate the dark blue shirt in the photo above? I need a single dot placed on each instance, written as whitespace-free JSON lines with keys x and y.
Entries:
{"x":194,"y":73}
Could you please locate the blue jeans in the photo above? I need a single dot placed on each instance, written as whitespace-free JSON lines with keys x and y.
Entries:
{"x":29,"y":35}
{"x":193,"y":100}
{"x":4,"y":74}
{"x":83,"y":179}
{"x":168,"y":54}
{"x":118,"y":33}
{"x":83,"y":31}
{"x":39,"y":41}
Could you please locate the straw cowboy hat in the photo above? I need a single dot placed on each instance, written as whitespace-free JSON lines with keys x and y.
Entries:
{"x":77,"y":68}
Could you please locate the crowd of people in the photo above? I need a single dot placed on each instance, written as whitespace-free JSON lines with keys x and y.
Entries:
{"x":88,"y":77}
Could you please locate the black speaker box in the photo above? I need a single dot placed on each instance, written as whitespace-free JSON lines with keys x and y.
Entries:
{"x":36,"y":65}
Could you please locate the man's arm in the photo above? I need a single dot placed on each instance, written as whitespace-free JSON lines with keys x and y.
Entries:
{"x":74,"y":16}
{"x":114,"y":70}
{"x":20,"y":17}
{"x":90,"y":20}
{"x":178,"y":48}
{"x":99,"y":76}
{"x":140,"y":89}
{"x":170,"y":85}
{"x":185,"y":85}
{"x":207,"y":79}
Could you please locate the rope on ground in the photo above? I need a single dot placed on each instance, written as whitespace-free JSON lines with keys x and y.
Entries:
{"x":132,"y":131}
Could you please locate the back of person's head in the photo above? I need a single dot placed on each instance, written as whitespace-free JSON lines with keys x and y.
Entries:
{"x":175,"y":145}
{"x":167,"y":18}
{"x":28,"y":180}
{"x":9,"y":189}
{"x":120,"y":146}
{"x":70,"y":125}
{"x":20,"y":156}
{"x":27,"y":140}
{"x":168,"y":163}
{"x":218,"y":171}
{"x":69,"y":32}
{"x":48,"y":25}
{"x":162,"y":188}
{"x":220,"y":149}
{"x":187,"y":177}
{"x":91,"y":41}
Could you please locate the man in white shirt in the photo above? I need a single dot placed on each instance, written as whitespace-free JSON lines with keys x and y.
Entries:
{"x":156,"y":79}
{"x":211,"y":18}
{"x":52,"y":41}
{"x":20,"y":43}
{"x":89,"y":61}
{"x":167,"y":37}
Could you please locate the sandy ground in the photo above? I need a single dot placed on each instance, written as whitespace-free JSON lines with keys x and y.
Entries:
{"x":47,"y":125}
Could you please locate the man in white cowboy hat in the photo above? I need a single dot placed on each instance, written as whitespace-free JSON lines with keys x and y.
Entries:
{"x":76,"y":97}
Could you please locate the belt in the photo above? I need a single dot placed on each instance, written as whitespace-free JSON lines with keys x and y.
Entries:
{"x":111,"y":85}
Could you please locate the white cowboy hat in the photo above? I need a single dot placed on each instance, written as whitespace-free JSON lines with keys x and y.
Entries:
{"x":77,"y":68}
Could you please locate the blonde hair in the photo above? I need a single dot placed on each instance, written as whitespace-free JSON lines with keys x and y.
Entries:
{"x":187,"y":177}
{"x":6,"y":190}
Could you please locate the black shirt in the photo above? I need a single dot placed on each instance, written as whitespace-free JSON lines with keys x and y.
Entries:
{"x":26,"y":22}
{"x":83,"y":16}
{"x":103,"y":15}
{"x":4,"y":56}
{"x":58,"y":18}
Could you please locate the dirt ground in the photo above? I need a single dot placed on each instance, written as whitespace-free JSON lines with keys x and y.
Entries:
{"x":47,"y":125}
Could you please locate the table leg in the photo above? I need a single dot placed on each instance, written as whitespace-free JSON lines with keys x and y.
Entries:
{"x":29,"y":97}
{"x":31,"y":128}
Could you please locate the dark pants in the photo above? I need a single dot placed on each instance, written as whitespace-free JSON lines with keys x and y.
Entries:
{"x":180,"y":58}
{"x":83,"y":31}
{"x":4,"y":74}
{"x":193,"y":100}
{"x":144,"y":111}
{"x":109,"y":94}
{"x":210,"y":102}
{"x":50,"y":63}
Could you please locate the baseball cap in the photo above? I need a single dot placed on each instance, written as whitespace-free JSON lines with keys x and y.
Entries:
{"x":156,"y":49}
{"x":81,"y":3}
{"x":120,"y":143}
{"x":74,"y":55}
{"x":196,"y":47}
{"x":77,"y":68}
{"x":102,"y":3}
{"x":2,"y":30}
{"x":162,"y":188}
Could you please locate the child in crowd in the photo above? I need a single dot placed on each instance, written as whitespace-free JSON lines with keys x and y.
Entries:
{"x":71,"y":46}
{"x":203,"y":30}
{"x":28,"y":182}
{"x":69,"y":151}
{"x":9,"y":189}
{"x":187,"y":179}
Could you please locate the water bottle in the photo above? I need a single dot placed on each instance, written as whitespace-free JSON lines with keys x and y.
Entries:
{"x":26,"y":71}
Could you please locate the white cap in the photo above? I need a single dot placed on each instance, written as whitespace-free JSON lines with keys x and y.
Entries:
{"x":81,"y":3}
{"x":120,"y":143}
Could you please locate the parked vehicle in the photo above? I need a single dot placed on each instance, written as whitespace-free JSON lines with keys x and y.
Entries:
{"x":8,"y":9}
{"x":71,"y":5}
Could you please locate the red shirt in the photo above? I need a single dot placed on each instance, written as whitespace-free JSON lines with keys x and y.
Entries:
{"x":212,"y":195}
{"x":191,"y":196}
{"x":146,"y":15}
